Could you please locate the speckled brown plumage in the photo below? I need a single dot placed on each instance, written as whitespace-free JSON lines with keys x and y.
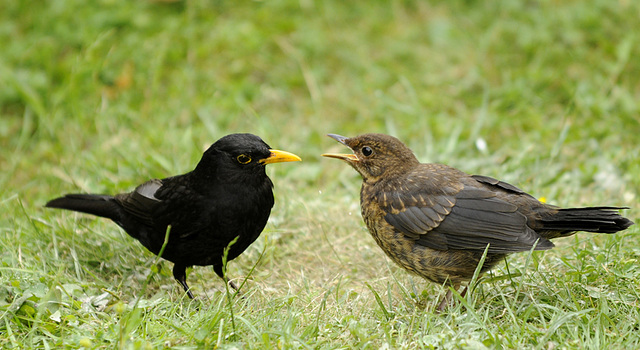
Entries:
{"x":436,"y":221}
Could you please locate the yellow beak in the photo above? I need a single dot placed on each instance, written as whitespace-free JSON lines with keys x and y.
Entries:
{"x":278,"y":156}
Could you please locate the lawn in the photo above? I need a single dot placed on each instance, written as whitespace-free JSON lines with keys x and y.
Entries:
{"x":99,"y":96}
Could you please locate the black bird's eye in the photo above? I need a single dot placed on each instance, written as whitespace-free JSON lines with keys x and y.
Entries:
{"x":367,"y":151}
{"x":243,"y":159}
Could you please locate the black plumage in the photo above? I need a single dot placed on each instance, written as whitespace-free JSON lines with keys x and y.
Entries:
{"x":437,"y":221}
{"x":227,"y":196}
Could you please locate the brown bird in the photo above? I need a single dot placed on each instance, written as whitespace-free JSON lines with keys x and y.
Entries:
{"x":436,"y":221}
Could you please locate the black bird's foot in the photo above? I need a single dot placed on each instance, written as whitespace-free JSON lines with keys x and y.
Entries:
{"x":218,"y":270}
{"x":183,"y":282}
{"x":235,"y":288}
{"x":180,"y":274}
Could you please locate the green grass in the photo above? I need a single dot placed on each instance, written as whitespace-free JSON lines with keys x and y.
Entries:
{"x":100,"y":96}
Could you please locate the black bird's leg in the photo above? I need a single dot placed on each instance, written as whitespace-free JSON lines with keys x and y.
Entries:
{"x":180,"y":274}
{"x":218,"y":270}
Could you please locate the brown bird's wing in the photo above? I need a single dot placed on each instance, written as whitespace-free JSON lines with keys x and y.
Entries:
{"x":500,"y":184}
{"x":467,"y":216}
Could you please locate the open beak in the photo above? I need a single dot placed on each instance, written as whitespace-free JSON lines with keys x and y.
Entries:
{"x":278,"y":156}
{"x":347,"y":157}
{"x":338,"y":138}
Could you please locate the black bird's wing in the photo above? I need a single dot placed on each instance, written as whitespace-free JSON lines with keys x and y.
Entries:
{"x":468,"y":215}
{"x":158,"y":203}
{"x":141,"y":203}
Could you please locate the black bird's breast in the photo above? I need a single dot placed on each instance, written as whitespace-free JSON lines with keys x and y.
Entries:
{"x":203,"y":220}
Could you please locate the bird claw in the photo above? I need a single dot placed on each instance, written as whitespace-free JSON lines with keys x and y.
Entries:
{"x":448,"y":300}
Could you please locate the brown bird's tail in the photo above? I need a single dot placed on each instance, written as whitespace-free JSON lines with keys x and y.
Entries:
{"x":590,"y":219}
{"x":95,"y":204}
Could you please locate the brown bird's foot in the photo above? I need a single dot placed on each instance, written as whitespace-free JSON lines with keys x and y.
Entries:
{"x":447,"y":300}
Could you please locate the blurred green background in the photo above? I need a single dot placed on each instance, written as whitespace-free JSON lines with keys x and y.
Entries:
{"x":99,"y":96}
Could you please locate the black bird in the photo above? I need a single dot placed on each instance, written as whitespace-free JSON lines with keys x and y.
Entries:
{"x":228,"y":196}
{"x":436,"y":221}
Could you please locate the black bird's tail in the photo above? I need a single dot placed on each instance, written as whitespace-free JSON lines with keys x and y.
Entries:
{"x":590,"y":219}
{"x":95,"y":204}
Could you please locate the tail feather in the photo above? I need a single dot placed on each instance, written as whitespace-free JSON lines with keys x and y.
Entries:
{"x":590,"y":219}
{"x":95,"y":204}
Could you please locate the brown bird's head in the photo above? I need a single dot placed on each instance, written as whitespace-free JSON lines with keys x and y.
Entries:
{"x":375,"y":155}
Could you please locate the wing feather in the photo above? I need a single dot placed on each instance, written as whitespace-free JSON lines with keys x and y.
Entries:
{"x":431,"y":217}
{"x":469,"y":219}
{"x":142,"y":202}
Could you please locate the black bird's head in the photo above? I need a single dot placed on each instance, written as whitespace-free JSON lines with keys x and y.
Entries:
{"x":240,"y":156}
{"x":375,"y":155}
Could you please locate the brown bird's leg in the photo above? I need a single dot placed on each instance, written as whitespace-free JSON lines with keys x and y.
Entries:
{"x":180,"y":274}
{"x":464,"y":291}
{"x":218,"y":270}
{"x":447,"y":300}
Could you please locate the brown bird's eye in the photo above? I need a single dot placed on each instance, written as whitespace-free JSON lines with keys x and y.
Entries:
{"x":367,"y":151}
{"x":243,"y":159}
